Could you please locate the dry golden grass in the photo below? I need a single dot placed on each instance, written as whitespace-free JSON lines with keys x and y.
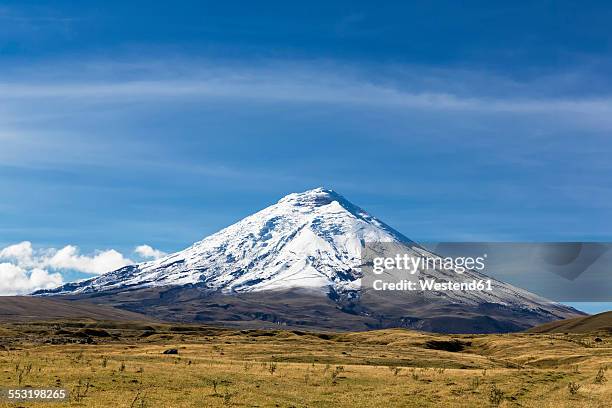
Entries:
{"x":385,"y":368}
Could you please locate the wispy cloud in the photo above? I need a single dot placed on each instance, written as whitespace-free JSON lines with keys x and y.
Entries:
{"x":33,"y":16}
{"x":305,"y":82}
{"x":108,"y":90}
{"x":273,"y":88}
{"x":195,"y":129}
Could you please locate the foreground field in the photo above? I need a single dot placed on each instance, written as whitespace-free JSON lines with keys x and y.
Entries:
{"x":122,"y":365}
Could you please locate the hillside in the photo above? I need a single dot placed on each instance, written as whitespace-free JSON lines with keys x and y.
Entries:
{"x":594,"y":323}
{"x":27,"y":308}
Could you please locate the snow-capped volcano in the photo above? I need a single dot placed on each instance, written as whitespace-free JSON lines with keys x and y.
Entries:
{"x":310,"y":239}
{"x":307,"y":240}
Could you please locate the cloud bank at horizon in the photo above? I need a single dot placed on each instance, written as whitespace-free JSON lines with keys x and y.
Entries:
{"x":24,"y":269}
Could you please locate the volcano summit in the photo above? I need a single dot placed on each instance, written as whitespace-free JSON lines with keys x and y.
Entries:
{"x":298,"y":263}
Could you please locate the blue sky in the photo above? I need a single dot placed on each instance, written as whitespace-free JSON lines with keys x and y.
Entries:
{"x":142,"y":123}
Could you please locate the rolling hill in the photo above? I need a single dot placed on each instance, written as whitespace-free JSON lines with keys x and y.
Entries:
{"x":594,"y":323}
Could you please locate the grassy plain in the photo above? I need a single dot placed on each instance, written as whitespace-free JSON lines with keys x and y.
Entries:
{"x":123,"y":365}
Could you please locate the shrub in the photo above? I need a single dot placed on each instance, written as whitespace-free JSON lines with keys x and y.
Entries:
{"x":227,"y":396}
{"x":395,"y":370}
{"x":214,"y":382}
{"x":495,"y":395}
{"x":600,"y":378}
{"x":573,"y":388}
{"x":336,"y":373}
{"x":22,"y":371}
{"x":475,"y":383}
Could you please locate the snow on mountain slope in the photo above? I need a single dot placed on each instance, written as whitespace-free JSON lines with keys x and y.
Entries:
{"x":311,"y":239}
{"x":307,"y":240}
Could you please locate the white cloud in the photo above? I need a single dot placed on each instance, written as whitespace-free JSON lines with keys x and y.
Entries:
{"x":104,"y":261}
{"x":21,"y":252}
{"x":69,"y":257}
{"x":15,"y":280}
{"x":24,"y":268}
{"x":148,"y":252}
